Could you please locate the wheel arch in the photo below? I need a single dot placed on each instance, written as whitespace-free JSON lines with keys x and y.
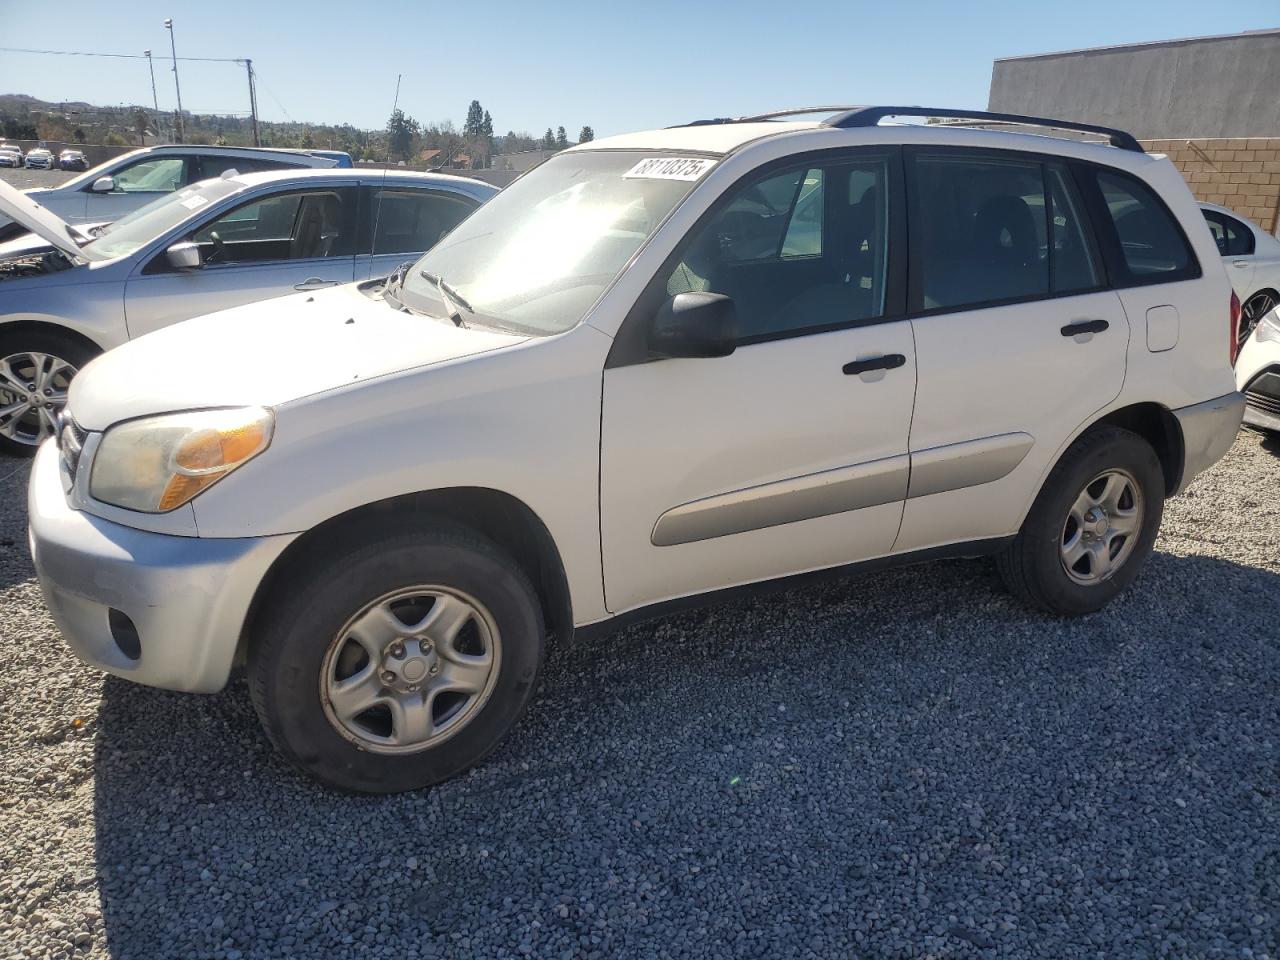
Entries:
{"x":28,"y":325}
{"x":501,"y":517}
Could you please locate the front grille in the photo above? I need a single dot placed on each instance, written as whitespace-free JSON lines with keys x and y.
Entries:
{"x":1260,"y":401}
{"x":71,"y":437}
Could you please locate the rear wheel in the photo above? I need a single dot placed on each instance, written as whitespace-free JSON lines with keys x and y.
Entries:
{"x":1092,"y":526}
{"x":399,"y":662}
{"x":36,"y":368}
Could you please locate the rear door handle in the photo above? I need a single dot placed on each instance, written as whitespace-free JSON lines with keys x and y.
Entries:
{"x":890,"y":361}
{"x":1241,"y":263}
{"x":314,"y":283}
{"x":1084,"y":326}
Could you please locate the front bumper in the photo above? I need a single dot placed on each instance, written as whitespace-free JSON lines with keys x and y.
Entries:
{"x":1262,"y":399}
{"x":187,"y":597}
{"x":1208,"y":431}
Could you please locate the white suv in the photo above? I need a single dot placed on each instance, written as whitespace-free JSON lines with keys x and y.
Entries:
{"x":657,"y":367}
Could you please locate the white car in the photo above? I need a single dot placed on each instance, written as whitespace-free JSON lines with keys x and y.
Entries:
{"x":656,"y":368}
{"x":1258,"y":374}
{"x":10,"y":155}
{"x":70,"y":292}
{"x":41,"y":159}
{"x":132,"y":180}
{"x":1252,"y":259}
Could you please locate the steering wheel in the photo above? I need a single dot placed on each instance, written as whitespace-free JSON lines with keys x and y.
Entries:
{"x":219,"y":248}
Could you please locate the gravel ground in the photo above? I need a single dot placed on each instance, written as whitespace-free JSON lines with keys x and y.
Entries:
{"x":22,"y":178}
{"x":903,"y":765}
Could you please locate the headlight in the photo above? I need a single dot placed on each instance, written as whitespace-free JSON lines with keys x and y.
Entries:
{"x":1269,"y":327}
{"x":159,"y":463}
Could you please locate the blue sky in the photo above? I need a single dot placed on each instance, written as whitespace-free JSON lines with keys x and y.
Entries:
{"x":616,"y":66}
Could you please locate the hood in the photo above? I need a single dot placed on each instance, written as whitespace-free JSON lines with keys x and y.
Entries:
{"x":29,"y":243}
{"x":23,"y":208}
{"x":266,"y":354}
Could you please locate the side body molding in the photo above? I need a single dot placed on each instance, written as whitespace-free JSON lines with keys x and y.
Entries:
{"x":785,"y":501}
{"x":923,"y":472}
{"x":969,"y":463}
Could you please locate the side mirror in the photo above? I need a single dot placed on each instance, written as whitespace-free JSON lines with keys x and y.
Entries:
{"x":695,"y":325}
{"x":103,"y":185}
{"x":183,"y":256}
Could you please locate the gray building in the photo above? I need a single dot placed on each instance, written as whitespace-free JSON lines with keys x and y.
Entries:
{"x":1226,"y":86}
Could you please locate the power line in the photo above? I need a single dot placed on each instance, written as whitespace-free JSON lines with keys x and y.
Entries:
{"x":258,"y":74}
{"x":118,"y":56}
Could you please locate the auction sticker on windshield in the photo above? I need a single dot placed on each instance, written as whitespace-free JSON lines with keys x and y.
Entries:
{"x":669,"y":168}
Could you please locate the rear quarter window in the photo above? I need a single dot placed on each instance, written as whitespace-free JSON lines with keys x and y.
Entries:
{"x":1147,"y":243}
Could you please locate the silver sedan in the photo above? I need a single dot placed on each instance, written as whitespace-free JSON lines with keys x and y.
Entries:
{"x":71,"y":293}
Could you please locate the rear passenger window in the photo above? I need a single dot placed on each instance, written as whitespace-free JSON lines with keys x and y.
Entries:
{"x":1152,"y":245}
{"x":978,"y":231}
{"x":1233,"y":238}
{"x":412,"y":221}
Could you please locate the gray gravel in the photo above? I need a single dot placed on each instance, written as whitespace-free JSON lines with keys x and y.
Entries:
{"x":898,"y":766}
{"x":22,"y":178}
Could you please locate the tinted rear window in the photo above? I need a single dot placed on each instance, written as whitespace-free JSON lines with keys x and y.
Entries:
{"x":1152,"y":245}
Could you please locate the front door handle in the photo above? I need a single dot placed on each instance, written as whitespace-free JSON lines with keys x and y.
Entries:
{"x":890,"y":361}
{"x":1241,"y":263}
{"x":1084,"y":326}
{"x":314,"y":283}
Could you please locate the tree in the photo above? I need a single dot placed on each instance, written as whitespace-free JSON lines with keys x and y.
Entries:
{"x":401,"y":131}
{"x":486,"y":128}
{"x":586,"y":135}
{"x":78,"y":135}
{"x":562,"y":141}
{"x":308,"y":141}
{"x":139,"y":126}
{"x":474,"y":127}
{"x":548,"y":140}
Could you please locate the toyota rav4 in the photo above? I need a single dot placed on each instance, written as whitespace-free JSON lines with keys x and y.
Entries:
{"x":656,"y":368}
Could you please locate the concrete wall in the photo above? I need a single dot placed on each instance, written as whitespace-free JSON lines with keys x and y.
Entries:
{"x":1212,"y":87}
{"x":1242,"y":174}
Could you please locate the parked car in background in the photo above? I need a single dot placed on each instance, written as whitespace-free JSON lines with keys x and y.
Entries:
{"x":216,"y":244}
{"x":10,"y":155}
{"x":73,"y":160}
{"x":1258,"y":373}
{"x":656,"y":367}
{"x":39,"y":158}
{"x":132,"y":180}
{"x":1252,"y":258}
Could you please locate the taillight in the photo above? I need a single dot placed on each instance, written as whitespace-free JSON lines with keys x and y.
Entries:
{"x":1234,"y":347}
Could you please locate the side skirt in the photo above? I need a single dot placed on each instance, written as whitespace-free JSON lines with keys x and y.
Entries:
{"x":951,"y":551}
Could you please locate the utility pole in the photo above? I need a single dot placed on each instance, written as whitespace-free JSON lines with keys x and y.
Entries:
{"x":155,"y":101}
{"x":253,"y":102}
{"x":168,"y":25}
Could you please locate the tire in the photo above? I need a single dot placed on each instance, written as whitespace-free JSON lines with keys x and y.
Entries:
{"x":1035,"y":566}
{"x":310,"y":624}
{"x":22,"y":432}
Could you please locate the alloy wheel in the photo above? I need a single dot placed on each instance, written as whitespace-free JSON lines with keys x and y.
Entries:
{"x":410,"y":669}
{"x":1102,"y":527}
{"x":33,"y":391}
{"x":1254,"y":309}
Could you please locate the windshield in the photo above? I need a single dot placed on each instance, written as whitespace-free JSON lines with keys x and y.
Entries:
{"x":139,"y":228}
{"x":538,"y":255}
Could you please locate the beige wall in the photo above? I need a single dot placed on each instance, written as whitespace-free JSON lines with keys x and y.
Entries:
{"x":1242,"y":174}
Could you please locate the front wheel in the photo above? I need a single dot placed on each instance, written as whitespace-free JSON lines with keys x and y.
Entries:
{"x":1092,"y":526}
{"x":399,"y":661}
{"x":36,"y":368}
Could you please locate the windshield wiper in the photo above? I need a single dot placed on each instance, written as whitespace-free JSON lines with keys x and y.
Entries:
{"x":451,"y":298}
{"x":394,"y":282}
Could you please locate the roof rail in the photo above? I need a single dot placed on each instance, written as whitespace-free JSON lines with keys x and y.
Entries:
{"x":871,"y":116}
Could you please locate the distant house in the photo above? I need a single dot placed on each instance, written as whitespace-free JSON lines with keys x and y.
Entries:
{"x":428,"y":157}
{"x":522,"y":161}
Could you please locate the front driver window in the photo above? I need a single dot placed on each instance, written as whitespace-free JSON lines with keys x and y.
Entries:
{"x":159,"y":175}
{"x":288,"y":226}
{"x":802,"y":249}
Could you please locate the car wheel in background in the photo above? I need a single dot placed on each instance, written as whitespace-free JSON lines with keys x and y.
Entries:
{"x":36,"y":368}
{"x":1254,"y":309}
{"x":398,"y":659}
{"x":1092,"y":526}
